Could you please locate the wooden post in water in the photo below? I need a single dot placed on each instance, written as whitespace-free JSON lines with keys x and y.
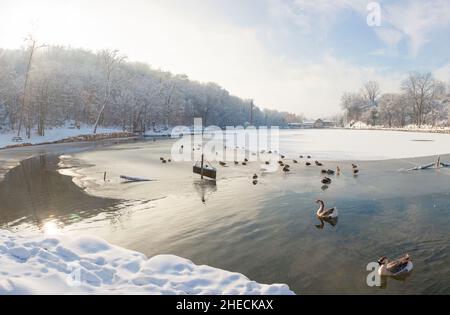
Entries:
{"x":104,"y":177}
{"x":201,"y":171}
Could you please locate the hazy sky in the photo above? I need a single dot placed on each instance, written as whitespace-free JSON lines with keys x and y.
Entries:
{"x":297,"y":55}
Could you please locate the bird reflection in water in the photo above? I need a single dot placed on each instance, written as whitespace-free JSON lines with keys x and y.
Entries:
{"x":401,"y":278}
{"x":331,"y":221}
{"x":205,"y":188}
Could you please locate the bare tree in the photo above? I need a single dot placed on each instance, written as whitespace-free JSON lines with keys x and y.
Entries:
{"x":111,"y":59}
{"x":32,"y":47}
{"x":420,"y":88}
{"x":371,"y":91}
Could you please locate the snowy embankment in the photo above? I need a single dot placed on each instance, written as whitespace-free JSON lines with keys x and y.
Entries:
{"x":425,"y":128}
{"x":52,"y":135}
{"x":62,"y":264}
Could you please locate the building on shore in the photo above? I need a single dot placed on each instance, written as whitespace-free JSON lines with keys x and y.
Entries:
{"x":308,"y":124}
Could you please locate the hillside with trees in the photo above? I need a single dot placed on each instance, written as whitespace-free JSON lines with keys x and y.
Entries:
{"x":50,"y":86}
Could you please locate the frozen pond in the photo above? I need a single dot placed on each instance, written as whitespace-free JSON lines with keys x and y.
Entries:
{"x":339,"y":144}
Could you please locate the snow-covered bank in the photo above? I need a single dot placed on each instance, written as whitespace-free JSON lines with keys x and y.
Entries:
{"x":52,"y":135}
{"x":425,"y":128}
{"x":62,"y":264}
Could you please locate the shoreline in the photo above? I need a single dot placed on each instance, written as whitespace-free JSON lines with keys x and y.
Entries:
{"x":433,"y":131}
{"x":79,"y":138}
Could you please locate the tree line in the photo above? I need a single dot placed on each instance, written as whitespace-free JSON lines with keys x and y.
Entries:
{"x":423,"y":100}
{"x":49,"y":86}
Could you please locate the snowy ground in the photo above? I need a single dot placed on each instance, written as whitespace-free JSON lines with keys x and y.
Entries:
{"x":51,"y":135}
{"x":62,"y":264}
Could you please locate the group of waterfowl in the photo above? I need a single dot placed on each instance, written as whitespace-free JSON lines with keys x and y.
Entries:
{"x":164,"y":160}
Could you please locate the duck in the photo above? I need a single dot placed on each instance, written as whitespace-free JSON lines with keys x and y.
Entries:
{"x":267,"y":162}
{"x":255,"y":182}
{"x":295,"y":161}
{"x":244,"y":163}
{"x":245,"y":160}
{"x":169,"y":160}
{"x":163,"y":161}
{"x":161,"y":158}
{"x":323,"y":171}
{"x":222,"y":163}
{"x":236,"y":162}
{"x":255,"y":176}
{"x":355,"y":171}
{"x":318,"y":163}
{"x":354,"y":165}
{"x":308,"y":157}
{"x":282,"y":156}
{"x":301,"y":156}
{"x":323,"y":213}
{"x":308,"y":164}
{"x":399,"y":266}
{"x":326,"y":180}
{"x":330,"y":172}
{"x":286,"y":169}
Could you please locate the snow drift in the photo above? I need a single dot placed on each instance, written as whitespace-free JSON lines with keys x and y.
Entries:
{"x":62,"y":264}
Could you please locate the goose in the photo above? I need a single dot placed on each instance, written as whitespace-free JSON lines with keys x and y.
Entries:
{"x":222,"y":163}
{"x":308,"y":164}
{"x":255,"y":176}
{"x":397,"y":267}
{"x":323,"y":213}
{"x":326,"y":180}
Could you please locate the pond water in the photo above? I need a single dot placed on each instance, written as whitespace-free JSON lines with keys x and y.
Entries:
{"x":268,"y":231}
